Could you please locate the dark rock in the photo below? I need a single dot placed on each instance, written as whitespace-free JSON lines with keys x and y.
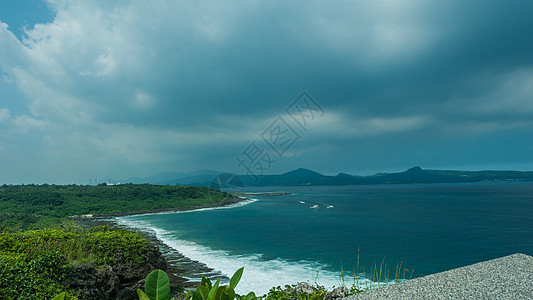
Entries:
{"x":337,"y":293}
{"x":94,"y":283}
{"x":118,"y":282}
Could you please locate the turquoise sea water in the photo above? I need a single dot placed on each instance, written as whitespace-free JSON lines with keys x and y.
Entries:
{"x":281,"y":240}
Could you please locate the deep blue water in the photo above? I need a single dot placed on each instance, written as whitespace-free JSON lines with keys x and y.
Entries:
{"x":429,"y":228}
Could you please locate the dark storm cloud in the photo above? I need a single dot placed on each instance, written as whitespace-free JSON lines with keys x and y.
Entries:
{"x":187,"y":85}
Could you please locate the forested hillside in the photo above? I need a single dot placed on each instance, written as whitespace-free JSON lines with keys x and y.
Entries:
{"x":37,"y":206}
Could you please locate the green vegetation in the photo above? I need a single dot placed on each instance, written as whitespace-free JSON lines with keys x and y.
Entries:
{"x":39,"y":206}
{"x":157,"y":287}
{"x":291,"y":292}
{"x":37,"y":264}
{"x":378,"y":276}
{"x":208,"y":291}
{"x":64,"y":296}
{"x":41,"y":262}
{"x":40,"y":248}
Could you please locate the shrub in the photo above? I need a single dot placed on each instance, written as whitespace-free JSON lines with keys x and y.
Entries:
{"x":36,"y":264}
{"x":104,"y":243}
{"x":38,"y":278}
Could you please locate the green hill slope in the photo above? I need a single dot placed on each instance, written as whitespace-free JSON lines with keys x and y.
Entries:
{"x":38,"y":206}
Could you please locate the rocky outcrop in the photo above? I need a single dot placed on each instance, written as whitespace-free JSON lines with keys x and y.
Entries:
{"x":120,"y":281}
{"x":337,"y":293}
{"x":95,"y":283}
{"x":301,"y":289}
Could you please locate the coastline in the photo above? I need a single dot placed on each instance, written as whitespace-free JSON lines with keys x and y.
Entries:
{"x":179,"y":268}
{"x":172,"y":271}
{"x":161,"y":210}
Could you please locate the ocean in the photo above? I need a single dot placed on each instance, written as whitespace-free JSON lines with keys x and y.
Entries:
{"x":428,"y":228}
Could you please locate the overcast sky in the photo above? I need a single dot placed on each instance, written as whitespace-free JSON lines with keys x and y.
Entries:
{"x":116,"y":89}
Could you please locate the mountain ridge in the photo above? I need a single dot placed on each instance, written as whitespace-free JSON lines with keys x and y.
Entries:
{"x":303,"y":176}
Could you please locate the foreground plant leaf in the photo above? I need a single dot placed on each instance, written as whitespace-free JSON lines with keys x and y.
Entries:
{"x":236,"y":278}
{"x":213,"y":291}
{"x":142,"y":295}
{"x":157,"y":286}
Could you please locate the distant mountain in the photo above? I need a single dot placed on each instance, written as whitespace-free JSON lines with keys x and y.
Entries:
{"x":412,"y":175}
{"x":296,"y":177}
{"x":198,"y":178}
{"x":418,"y":175}
{"x":302,"y":173}
{"x":173,"y":178}
{"x":303,"y":176}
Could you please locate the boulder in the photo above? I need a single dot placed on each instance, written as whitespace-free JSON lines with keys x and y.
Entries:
{"x":337,"y":293}
{"x":120,"y":281}
{"x":101,"y":283}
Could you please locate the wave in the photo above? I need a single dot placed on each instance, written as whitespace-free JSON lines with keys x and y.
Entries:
{"x":260,"y":275}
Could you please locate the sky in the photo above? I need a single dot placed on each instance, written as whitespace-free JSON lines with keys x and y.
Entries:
{"x":97,"y":89}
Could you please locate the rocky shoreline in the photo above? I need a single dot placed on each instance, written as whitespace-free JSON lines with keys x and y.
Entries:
{"x":122,"y":280}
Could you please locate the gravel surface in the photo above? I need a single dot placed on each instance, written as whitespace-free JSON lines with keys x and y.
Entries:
{"x":509,"y":277}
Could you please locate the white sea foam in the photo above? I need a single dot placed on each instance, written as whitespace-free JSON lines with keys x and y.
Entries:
{"x":259,"y":274}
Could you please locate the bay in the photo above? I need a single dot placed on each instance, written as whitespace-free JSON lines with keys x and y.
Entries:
{"x":282,"y":240}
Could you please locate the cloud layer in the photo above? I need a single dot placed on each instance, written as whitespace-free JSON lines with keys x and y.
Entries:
{"x":128,"y":88}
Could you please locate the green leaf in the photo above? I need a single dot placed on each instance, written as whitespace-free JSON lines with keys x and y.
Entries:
{"x":251,"y":296}
{"x":213,"y":290}
{"x":225,"y":297}
{"x":197,"y":295}
{"x":60,"y":296}
{"x":204,"y":291}
{"x":142,"y":295}
{"x":189,"y":295}
{"x":230,"y":292}
{"x":157,"y":286}
{"x":236,"y":278}
{"x":206,"y":282}
{"x":220,"y":291}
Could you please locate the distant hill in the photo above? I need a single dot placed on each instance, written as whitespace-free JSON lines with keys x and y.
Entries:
{"x":303,"y":176}
{"x":296,"y":177}
{"x":410,"y":176}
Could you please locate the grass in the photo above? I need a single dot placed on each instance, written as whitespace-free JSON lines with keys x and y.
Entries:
{"x":379,"y":275}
